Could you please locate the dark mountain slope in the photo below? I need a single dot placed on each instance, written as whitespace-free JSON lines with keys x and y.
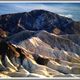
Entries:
{"x":38,"y":20}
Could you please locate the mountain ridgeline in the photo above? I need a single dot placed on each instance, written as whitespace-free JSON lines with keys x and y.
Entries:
{"x":40,"y":44}
{"x":38,"y":20}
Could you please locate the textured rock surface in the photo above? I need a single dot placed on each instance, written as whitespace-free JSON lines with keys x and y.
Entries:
{"x":38,"y":20}
{"x":39,"y":44}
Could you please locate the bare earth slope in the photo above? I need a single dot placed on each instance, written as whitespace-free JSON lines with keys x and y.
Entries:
{"x":39,"y":44}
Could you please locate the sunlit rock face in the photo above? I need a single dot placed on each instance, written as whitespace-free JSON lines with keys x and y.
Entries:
{"x":39,"y":44}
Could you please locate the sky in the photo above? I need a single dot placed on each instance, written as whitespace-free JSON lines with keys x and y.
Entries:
{"x":71,"y":10}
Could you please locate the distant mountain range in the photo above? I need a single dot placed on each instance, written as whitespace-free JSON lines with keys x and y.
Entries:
{"x":39,"y":44}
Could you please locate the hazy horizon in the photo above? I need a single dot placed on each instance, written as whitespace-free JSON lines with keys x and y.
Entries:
{"x":71,"y":10}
